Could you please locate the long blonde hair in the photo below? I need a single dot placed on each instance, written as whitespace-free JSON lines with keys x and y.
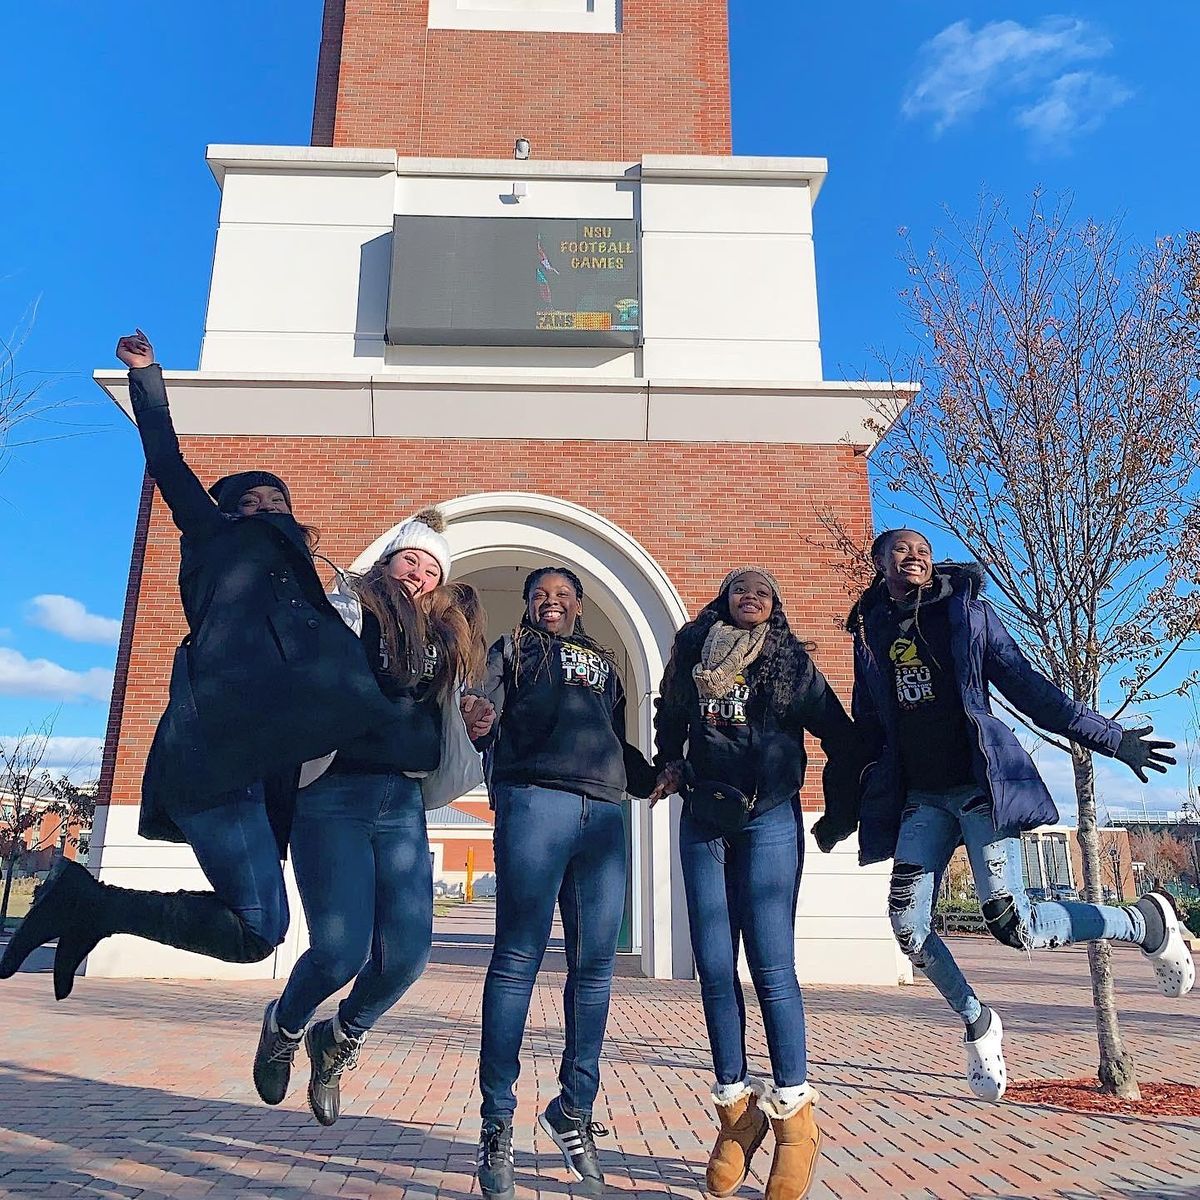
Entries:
{"x":450,"y":617}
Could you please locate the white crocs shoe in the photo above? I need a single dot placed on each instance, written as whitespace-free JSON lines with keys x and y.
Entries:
{"x":1173,"y":963}
{"x":986,"y":1072}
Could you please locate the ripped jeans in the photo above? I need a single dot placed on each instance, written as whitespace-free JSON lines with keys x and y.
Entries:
{"x":930,"y":830}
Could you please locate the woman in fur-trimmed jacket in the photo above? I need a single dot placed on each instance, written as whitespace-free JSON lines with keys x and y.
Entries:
{"x":944,"y":770}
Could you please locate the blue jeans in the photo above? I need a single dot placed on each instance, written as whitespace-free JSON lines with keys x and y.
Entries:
{"x":931,"y":827}
{"x":744,"y":887}
{"x":361,"y":855}
{"x":236,"y":848}
{"x":552,"y":845}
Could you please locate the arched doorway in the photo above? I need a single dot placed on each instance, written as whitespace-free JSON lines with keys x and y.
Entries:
{"x":496,"y":537}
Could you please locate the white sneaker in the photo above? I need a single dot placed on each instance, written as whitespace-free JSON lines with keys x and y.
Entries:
{"x":986,"y":1072}
{"x":1173,"y":962}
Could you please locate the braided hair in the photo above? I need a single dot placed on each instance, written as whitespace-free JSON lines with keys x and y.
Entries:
{"x":777,"y":671}
{"x":527,"y":631}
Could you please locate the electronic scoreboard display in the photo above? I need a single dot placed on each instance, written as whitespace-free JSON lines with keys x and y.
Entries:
{"x":513,"y":281}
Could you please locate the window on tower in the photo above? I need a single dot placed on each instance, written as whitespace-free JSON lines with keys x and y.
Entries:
{"x":548,"y":16}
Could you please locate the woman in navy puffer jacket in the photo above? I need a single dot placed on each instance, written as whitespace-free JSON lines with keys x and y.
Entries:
{"x":945,"y":771}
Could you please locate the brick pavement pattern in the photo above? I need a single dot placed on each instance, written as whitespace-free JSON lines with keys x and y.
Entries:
{"x":142,"y":1089}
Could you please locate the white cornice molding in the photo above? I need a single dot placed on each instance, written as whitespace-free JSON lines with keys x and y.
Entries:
{"x":109,"y":378}
{"x":742,"y":168}
{"x":366,"y":160}
{"x":498,"y":407}
{"x":652,"y":167}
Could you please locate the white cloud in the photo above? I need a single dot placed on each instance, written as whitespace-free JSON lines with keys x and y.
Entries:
{"x":1118,"y":789}
{"x":77,"y":757}
{"x":21,"y":676}
{"x":1075,"y":103}
{"x":68,"y":617}
{"x":962,"y":70}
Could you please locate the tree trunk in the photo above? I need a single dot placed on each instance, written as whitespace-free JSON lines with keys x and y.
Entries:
{"x":9,"y":868}
{"x":1117,"y":1072}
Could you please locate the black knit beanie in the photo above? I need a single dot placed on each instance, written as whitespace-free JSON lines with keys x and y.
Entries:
{"x":229,"y":490}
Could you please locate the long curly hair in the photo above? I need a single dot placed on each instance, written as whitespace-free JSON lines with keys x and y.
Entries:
{"x":773,"y":677}
{"x":449,"y":617}
{"x":527,"y":631}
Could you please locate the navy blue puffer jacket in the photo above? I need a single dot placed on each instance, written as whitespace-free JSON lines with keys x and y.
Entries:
{"x":985,"y":656}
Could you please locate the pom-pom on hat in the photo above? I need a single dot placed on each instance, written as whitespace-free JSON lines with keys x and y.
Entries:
{"x":727,"y":582}
{"x":228,"y":490}
{"x":424,"y":531}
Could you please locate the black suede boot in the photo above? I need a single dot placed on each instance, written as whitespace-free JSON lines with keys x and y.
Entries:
{"x":197,"y":921}
{"x":67,"y":899}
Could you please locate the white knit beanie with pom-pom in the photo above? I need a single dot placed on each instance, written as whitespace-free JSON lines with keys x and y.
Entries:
{"x":423,"y":531}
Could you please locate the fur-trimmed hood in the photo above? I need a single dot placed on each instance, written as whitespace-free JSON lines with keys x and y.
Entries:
{"x":949,"y":578}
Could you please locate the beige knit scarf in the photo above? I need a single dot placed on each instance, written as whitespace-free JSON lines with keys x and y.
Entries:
{"x":727,"y":652}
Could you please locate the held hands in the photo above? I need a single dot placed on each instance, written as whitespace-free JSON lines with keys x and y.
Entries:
{"x":134,"y":350}
{"x":1140,"y":754}
{"x":670,"y":779}
{"x":478,"y":714}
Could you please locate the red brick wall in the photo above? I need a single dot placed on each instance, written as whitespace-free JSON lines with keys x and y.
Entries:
{"x":659,"y":86}
{"x":454,"y":853}
{"x":697,"y":508}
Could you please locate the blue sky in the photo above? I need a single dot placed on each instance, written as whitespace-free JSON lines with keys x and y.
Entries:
{"x":109,"y":212}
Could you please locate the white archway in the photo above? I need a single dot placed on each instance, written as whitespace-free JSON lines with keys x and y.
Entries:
{"x":621,"y":578}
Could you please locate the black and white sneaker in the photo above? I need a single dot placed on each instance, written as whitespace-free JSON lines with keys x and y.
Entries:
{"x":575,"y":1137}
{"x":273,"y":1058}
{"x":494,"y":1161}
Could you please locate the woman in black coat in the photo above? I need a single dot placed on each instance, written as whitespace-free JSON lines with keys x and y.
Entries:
{"x":268,"y":677}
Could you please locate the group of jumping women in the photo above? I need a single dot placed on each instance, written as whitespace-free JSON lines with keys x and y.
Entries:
{"x":325,"y":724}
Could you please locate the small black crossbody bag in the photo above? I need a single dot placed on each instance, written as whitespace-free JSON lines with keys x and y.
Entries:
{"x":720,"y":805}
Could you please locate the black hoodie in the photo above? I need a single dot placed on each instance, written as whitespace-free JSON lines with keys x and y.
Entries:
{"x":414,"y":744}
{"x":561,"y":725}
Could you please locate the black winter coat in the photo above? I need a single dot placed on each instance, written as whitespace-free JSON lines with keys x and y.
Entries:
{"x":269,"y":675}
{"x":773,"y":761}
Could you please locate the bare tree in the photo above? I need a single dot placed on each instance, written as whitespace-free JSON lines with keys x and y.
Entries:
{"x":1055,"y":437}
{"x":23,"y":394}
{"x":38,"y":810}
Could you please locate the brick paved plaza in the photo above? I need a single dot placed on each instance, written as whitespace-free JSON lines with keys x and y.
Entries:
{"x":142,"y":1089}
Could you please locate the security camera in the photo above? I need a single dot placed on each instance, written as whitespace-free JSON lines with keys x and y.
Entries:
{"x":521,"y":148}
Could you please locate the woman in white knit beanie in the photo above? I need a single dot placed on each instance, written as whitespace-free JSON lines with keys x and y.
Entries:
{"x":359,"y":843}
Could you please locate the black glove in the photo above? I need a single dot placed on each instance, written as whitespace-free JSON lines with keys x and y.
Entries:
{"x":840,"y":819}
{"x":828,"y":830}
{"x":1138,"y":754}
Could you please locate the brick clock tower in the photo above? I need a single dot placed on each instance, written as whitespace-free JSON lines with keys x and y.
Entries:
{"x":602,"y":351}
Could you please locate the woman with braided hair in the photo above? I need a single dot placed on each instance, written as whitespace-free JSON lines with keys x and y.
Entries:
{"x":944,"y":771}
{"x":559,"y":767}
{"x":739,"y":692}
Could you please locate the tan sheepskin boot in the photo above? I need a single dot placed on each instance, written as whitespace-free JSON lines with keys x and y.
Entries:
{"x":743,"y":1127}
{"x":797,"y":1144}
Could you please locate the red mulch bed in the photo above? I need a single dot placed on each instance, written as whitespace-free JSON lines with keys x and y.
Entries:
{"x":1084,"y":1095}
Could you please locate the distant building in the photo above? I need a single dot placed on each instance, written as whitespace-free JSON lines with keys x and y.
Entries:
{"x":46,"y":837}
{"x":1052,"y":864}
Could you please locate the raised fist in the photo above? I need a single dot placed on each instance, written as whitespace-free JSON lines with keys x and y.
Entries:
{"x":134,"y":350}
